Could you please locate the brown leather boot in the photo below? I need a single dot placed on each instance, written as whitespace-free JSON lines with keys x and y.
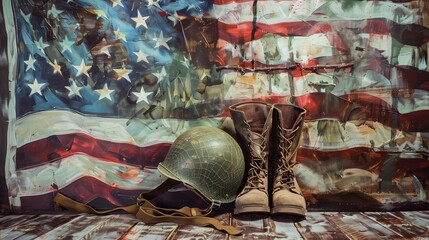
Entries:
{"x":287,"y":198}
{"x":252,"y":122}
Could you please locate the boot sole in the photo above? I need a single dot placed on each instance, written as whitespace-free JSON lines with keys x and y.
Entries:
{"x":291,"y":210}
{"x":252,"y":209}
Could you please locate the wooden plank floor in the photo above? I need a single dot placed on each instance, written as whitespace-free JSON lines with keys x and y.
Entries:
{"x":317,"y":225}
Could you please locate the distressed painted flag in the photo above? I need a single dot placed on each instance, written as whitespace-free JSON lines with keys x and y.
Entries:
{"x":102,"y":88}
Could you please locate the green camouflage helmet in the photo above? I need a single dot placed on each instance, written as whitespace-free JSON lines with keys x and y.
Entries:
{"x":207,"y":159}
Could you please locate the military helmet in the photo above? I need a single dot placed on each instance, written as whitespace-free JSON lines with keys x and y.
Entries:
{"x":208,"y":160}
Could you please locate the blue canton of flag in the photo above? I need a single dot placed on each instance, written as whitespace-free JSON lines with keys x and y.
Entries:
{"x":106,"y":58}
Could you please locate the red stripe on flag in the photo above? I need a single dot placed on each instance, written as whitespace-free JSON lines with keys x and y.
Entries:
{"x":55,"y":148}
{"x":411,"y":78}
{"x":411,"y":34}
{"x":357,"y":157}
{"x":242,"y":33}
{"x":322,"y":105}
{"x":360,"y":106}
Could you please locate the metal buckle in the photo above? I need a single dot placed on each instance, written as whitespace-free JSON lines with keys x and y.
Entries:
{"x":215,"y":204}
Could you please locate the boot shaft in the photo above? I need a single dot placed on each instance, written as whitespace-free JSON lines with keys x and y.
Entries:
{"x":288,"y":121}
{"x":253,"y":124}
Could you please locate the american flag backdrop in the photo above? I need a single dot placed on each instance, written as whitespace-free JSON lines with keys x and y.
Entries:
{"x":100,"y":89}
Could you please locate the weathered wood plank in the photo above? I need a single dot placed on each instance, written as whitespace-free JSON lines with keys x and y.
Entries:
{"x":283,"y":227}
{"x":194,"y":232}
{"x":206,"y":233}
{"x":401,"y":227}
{"x":254,"y":226}
{"x":141,"y":231}
{"x":369,"y":225}
{"x":37,"y":226}
{"x":415,"y":217}
{"x":358,"y":226}
{"x":86,"y":224}
{"x":75,"y":228}
{"x":111,"y":227}
{"x":317,"y":226}
{"x":9,"y":221}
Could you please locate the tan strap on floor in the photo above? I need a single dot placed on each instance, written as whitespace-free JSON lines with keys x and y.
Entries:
{"x":70,"y":204}
{"x":148,"y":213}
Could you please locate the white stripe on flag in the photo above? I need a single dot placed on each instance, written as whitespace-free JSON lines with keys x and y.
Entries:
{"x":39,"y":180}
{"x":274,"y":12}
{"x":273,"y":49}
{"x":406,"y":101}
{"x":335,"y":136}
{"x":140,"y":132}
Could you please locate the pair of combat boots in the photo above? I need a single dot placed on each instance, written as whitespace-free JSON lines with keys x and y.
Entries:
{"x":269,"y":137}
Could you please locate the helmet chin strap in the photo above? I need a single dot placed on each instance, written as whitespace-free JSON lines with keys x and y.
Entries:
{"x":148,"y":213}
{"x":213,"y":204}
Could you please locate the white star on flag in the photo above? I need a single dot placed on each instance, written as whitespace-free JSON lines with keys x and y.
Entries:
{"x":191,"y":6}
{"x":174,"y":18}
{"x":153,"y":3}
{"x":105,"y":48}
{"x":199,"y":12}
{"x":40,"y":44}
{"x":74,"y":89}
{"x":117,"y":2}
{"x":100,"y":13}
{"x":30,"y":63}
{"x":54,"y":11}
{"x":140,"y":21}
{"x":185,"y":62}
{"x":26,"y":17}
{"x":82,"y":69}
{"x":142,"y":95}
{"x":120,"y":35}
{"x":36,"y":87}
{"x":67,"y":44}
{"x":105,"y":92}
{"x":56,"y":67}
{"x":123,"y":73}
{"x":161,"y":41}
{"x":141,"y":56}
{"x":161,"y":74}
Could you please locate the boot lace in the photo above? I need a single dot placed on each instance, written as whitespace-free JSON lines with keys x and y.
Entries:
{"x":257,"y":171}
{"x":284,"y":172}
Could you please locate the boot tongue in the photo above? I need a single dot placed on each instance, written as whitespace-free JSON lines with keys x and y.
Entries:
{"x":257,"y":140}
{"x":257,"y":146}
